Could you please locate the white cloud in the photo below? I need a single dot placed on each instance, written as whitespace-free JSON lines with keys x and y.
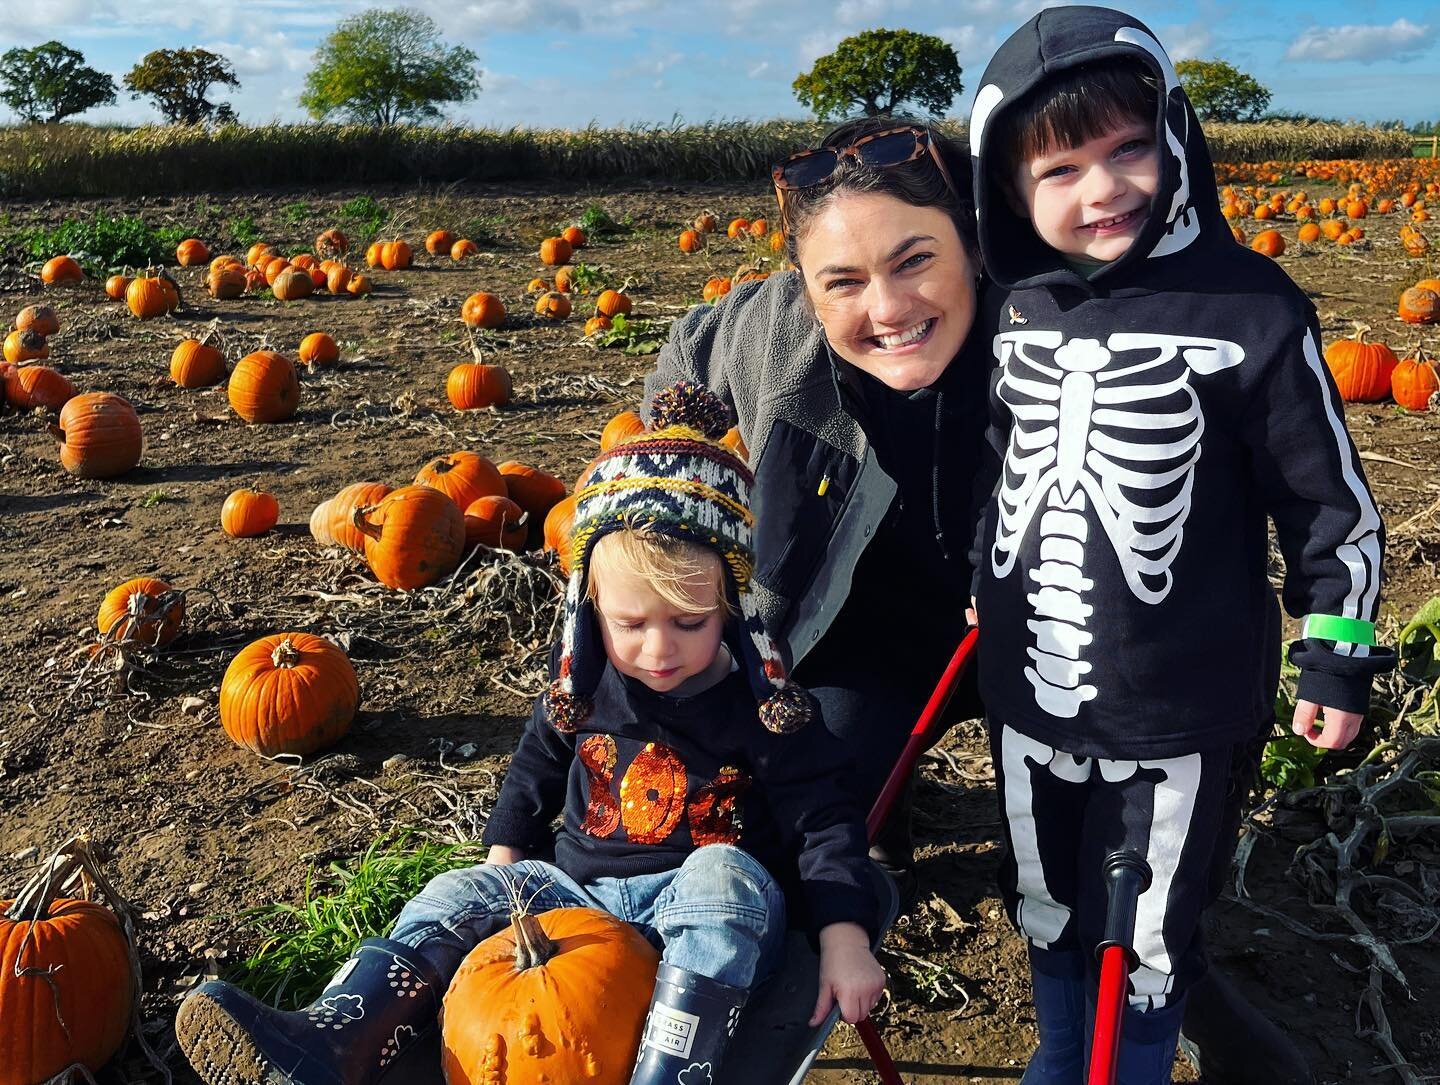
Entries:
{"x":1401,"y":38}
{"x":1187,"y":42}
{"x":755,"y":71}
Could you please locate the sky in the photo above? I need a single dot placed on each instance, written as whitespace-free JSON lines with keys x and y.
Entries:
{"x":568,"y":63}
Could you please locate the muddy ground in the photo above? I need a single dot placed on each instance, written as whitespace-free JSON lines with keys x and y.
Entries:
{"x":198,"y":829}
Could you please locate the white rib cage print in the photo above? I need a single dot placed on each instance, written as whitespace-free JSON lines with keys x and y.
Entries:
{"x":1113,"y":431}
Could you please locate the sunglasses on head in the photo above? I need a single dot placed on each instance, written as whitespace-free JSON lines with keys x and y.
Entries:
{"x":885,"y":149}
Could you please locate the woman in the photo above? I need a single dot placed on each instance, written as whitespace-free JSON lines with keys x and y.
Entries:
{"x":863,"y":408}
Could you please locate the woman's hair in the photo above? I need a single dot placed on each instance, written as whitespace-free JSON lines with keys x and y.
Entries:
{"x":669,"y":565}
{"x":919,"y":183}
{"x":1073,"y":107}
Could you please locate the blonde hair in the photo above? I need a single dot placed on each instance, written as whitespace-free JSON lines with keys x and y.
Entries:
{"x":667,"y":564}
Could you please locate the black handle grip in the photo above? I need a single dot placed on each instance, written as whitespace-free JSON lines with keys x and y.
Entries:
{"x":1126,"y":876}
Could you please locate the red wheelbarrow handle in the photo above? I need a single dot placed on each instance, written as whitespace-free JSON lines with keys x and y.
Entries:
{"x":921,"y":734}
{"x":1126,"y":877}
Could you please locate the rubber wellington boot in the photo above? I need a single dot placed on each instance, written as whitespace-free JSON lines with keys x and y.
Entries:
{"x":1058,"y":980}
{"x":1147,"y":1045}
{"x":1230,"y":1042}
{"x":382,"y":1001}
{"x":690,"y":1023}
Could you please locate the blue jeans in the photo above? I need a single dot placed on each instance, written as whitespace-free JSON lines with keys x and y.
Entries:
{"x":719,"y":914}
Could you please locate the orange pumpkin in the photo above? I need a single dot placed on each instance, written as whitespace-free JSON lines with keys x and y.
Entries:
{"x":143,"y":611}
{"x":40,"y":319}
{"x":304,"y":260}
{"x":1268,"y":243}
{"x":463,"y":248}
{"x":555,"y":251}
{"x":735,"y":443}
{"x":597,"y":324}
{"x":554,"y":305}
{"x":1414,"y":381}
{"x":61,"y":269}
{"x":359,"y":286}
{"x":290,"y":693}
{"x":691,"y":241}
{"x":372,"y":254}
{"x":559,"y":997}
{"x":1361,"y":370}
{"x":337,"y":279}
{"x":737,"y":228}
{"x":482,"y":310}
{"x":464,"y":477}
{"x":292,"y":284}
{"x":99,"y":435}
{"x":33,"y":386}
{"x":1308,"y":233}
{"x":148,"y":296}
{"x":759,"y":228}
{"x":317,"y":348}
{"x":115,"y":287}
{"x":395,"y":255}
{"x":196,"y":364}
{"x":718,"y":287}
{"x":475,"y":385}
{"x":439,"y":242}
{"x":66,"y":989}
{"x":621,"y":428}
{"x":226,"y":282}
{"x":559,"y":522}
{"x":247,"y":513}
{"x":576,"y":236}
{"x":25,"y":347}
{"x":415,"y":536}
{"x":190,"y":252}
{"x":338,"y":527}
{"x":332,"y":243}
{"x":706,"y":223}
{"x":536,"y":286}
{"x":273,"y":267}
{"x":264,"y":387}
{"x":613,"y":303}
{"x":497,"y":522}
{"x":565,"y":279}
{"x":1417,"y":306}
{"x":258,"y":254}
{"x":534,"y":490}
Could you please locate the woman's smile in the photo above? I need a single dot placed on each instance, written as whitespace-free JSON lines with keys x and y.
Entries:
{"x":911,"y":338}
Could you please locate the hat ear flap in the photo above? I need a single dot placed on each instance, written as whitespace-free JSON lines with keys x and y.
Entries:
{"x":568,"y":698}
{"x":784,"y":707}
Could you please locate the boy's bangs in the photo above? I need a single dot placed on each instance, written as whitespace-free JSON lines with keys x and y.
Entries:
{"x":1082,"y":104}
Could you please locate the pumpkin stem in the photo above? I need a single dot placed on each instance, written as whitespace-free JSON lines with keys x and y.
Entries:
{"x":285,"y":654}
{"x":362,"y":525}
{"x":533,"y":947}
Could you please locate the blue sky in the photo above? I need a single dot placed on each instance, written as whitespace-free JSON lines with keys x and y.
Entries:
{"x":566,"y":63}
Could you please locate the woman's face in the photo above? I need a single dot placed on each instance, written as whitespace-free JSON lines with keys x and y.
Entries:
{"x":891,"y":284}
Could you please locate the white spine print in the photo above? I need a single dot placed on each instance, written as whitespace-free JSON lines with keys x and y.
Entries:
{"x":1095,"y":441}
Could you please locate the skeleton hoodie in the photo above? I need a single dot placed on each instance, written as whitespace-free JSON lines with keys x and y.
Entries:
{"x":1147,"y":419}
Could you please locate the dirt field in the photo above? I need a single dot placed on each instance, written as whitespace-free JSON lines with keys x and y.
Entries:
{"x":198,"y":829}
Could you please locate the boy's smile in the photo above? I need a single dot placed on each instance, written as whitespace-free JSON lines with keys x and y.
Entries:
{"x":1092,"y":200}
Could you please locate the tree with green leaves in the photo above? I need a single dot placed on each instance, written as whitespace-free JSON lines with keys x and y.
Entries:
{"x":384,"y":67}
{"x":50,"y":82}
{"x":874,"y":71}
{"x":1219,"y":91}
{"x":179,"y":80}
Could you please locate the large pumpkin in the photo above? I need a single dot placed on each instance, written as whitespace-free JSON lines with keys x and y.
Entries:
{"x":25,"y":346}
{"x":534,"y":490}
{"x":1361,"y":370}
{"x":474,"y":385}
{"x":264,"y":387}
{"x":99,"y":435}
{"x":415,"y":536}
{"x":395,"y":255}
{"x":496,"y":521}
{"x":559,"y":522}
{"x":292,"y":284}
{"x":149,"y":296}
{"x":483,"y":310}
{"x":1414,"y":382}
{"x":559,"y":997}
{"x":619,"y":429}
{"x":196,"y":364}
{"x":464,"y":477}
{"x":143,"y":611}
{"x":291,"y":693}
{"x":249,"y":512}
{"x":40,"y":319}
{"x":66,"y":988}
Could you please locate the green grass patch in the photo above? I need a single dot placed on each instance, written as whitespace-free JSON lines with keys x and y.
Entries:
{"x":303,"y":945}
{"x":243,"y":231}
{"x":635,"y":336}
{"x":363,"y":216}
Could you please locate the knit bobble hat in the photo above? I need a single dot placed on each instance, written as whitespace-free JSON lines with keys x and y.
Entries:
{"x":674,"y":479}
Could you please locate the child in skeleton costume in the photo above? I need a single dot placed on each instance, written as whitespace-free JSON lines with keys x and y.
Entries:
{"x":687,"y":793}
{"x":1158,"y":392}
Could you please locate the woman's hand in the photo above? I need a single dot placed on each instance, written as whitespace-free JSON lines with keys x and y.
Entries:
{"x":501,"y":855}
{"x":972,"y":615}
{"x":1337,"y":730}
{"x":849,"y":974}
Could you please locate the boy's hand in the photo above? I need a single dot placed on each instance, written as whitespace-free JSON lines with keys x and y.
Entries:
{"x":972,"y":615}
{"x":849,"y":974}
{"x":1336,"y":732}
{"x":501,"y":855}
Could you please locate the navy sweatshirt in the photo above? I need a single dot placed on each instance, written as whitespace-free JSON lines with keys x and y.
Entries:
{"x":650,"y":777}
{"x":1144,"y":423}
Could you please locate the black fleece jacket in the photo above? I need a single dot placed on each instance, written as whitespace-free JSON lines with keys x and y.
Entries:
{"x":1144,"y":422}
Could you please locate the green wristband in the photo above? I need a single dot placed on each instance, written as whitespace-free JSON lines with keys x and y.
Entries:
{"x":1334,"y":627}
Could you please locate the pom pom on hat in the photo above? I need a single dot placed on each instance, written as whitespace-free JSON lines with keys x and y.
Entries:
{"x":692,"y":405}
{"x":566,"y":711}
{"x":787,"y":709}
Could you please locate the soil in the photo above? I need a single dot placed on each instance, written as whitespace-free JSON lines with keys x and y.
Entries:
{"x":197,"y":829}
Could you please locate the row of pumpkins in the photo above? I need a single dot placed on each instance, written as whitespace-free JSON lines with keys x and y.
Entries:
{"x":1367,"y":372}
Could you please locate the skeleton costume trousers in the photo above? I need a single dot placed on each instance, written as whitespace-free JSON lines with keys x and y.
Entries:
{"x":1062,"y":815}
